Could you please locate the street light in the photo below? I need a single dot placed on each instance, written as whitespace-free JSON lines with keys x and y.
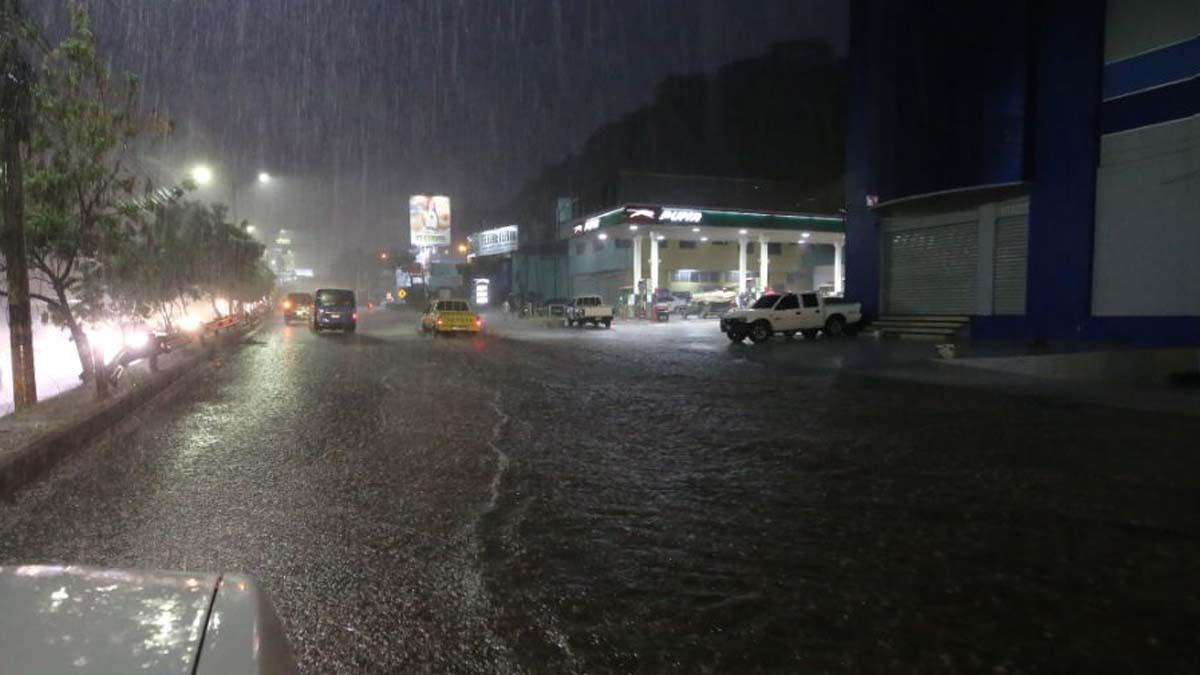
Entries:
{"x":202,"y":174}
{"x":462,"y":248}
{"x":264,"y":177}
{"x":249,"y":229}
{"x":383,"y":256}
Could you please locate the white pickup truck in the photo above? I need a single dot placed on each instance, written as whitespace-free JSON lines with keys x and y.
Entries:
{"x":589,"y":309}
{"x":790,"y":313}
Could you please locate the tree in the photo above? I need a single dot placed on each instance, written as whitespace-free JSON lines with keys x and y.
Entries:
{"x":16,"y":82}
{"x":232,"y":266}
{"x":79,"y":190}
{"x":185,"y":252}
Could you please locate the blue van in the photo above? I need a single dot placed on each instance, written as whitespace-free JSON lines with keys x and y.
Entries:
{"x":334,"y":308}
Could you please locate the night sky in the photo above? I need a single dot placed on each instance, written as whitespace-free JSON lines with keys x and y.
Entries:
{"x":355,"y":104}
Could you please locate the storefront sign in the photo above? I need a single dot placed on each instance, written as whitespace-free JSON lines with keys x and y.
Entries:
{"x":587,"y":226}
{"x":654,"y":214}
{"x":496,"y":241}
{"x":680,"y":216}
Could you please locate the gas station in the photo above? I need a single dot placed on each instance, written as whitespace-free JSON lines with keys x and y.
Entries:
{"x":680,"y":249}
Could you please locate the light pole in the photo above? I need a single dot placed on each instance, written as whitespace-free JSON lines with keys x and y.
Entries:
{"x":202,"y":175}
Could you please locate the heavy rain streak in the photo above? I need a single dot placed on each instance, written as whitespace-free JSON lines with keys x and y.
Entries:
{"x":589,"y":336}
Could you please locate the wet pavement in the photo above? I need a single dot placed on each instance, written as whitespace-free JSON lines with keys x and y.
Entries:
{"x":545,"y":500}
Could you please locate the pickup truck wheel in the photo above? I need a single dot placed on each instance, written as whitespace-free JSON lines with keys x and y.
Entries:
{"x":809,"y":334}
{"x":735,"y":336}
{"x":608,"y":323}
{"x":835,"y":326}
{"x":595,"y":323}
{"x":789,"y":334}
{"x":760,"y":331}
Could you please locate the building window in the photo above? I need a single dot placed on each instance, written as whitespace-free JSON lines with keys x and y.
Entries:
{"x":580,"y":247}
{"x":624,"y":243}
{"x":687,"y":244}
{"x":696,"y":276}
{"x":597,"y":246}
{"x":732,"y":276}
{"x":774,"y":248}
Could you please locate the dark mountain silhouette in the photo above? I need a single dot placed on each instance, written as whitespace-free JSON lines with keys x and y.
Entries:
{"x":778,"y":117}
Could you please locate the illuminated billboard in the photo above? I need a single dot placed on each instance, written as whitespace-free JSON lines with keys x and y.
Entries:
{"x":429,"y":220}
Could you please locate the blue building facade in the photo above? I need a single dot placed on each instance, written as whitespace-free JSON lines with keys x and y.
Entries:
{"x":1030,"y":164}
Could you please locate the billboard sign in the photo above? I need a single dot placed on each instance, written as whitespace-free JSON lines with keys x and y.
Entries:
{"x":429,"y":220}
{"x":496,"y":241}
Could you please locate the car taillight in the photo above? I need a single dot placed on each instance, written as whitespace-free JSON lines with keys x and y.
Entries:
{"x":354,"y":316}
{"x":478,"y":321}
{"x":439,"y":322}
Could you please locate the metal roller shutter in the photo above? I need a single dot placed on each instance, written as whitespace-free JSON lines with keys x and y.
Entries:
{"x":1012,"y":246}
{"x":931,"y":270}
{"x":605,"y":284}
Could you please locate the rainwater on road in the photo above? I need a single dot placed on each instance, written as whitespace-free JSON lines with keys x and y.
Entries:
{"x":645,"y":500}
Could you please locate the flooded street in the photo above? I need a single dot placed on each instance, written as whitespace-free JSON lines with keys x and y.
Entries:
{"x":646,"y":499}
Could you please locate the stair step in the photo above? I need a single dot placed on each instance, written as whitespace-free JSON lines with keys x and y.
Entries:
{"x":954,"y":318}
{"x":918,"y":324}
{"x":919,"y":331}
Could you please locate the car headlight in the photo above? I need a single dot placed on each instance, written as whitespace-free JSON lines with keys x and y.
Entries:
{"x":137,"y":339}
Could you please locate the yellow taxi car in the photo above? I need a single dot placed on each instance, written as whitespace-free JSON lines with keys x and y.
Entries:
{"x":447,"y":317}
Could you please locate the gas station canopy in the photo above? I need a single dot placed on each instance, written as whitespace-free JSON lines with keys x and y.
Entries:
{"x":701,"y":223}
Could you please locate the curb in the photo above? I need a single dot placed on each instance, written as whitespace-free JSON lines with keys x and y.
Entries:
{"x":39,"y":456}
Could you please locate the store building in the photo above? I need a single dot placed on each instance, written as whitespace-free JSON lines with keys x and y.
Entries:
{"x":691,"y":248}
{"x":1030,"y":165}
{"x":498,"y":255}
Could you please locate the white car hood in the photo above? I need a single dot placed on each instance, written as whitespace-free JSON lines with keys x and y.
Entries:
{"x":56,"y":619}
{"x":743,"y":313}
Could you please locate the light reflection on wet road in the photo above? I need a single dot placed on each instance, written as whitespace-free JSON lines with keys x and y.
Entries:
{"x":580,"y":502}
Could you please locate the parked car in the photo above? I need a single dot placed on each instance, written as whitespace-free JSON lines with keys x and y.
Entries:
{"x":589,"y":309}
{"x":557,"y":306}
{"x":60,"y":619}
{"x":296,"y":307}
{"x":670,"y":303}
{"x":790,"y":313}
{"x":710,"y":303}
{"x":334,"y":308}
{"x":447,"y":317}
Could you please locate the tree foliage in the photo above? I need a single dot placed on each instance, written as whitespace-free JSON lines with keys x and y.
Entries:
{"x":183,"y":252}
{"x":79,"y":189}
{"x":99,"y":250}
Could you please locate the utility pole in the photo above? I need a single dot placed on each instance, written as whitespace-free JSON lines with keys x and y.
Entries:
{"x":14,"y":127}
